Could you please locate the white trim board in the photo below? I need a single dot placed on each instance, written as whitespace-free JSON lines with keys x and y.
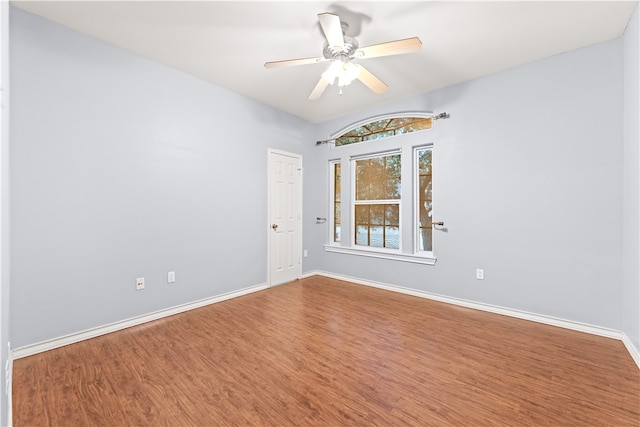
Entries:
{"x":430,"y":260}
{"x":113,"y":327}
{"x":9,"y":390}
{"x":40,"y":347}
{"x":635,"y":355}
{"x":548,"y":320}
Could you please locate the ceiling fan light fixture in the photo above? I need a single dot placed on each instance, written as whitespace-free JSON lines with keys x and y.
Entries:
{"x":349,"y":74}
{"x":340,"y":50}
{"x":332,"y":73}
{"x":342,"y":70}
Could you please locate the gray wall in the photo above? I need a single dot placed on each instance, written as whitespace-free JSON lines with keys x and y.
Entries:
{"x":528,"y":179}
{"x":4,"y":208}
{"x":631,"y":212}
{"x":123,"y":168}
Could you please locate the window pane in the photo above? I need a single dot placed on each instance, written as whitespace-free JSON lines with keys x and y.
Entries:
{"x":392,"y":215}
{"x":425,"y":200}
{"x":362,"y":235}
{"x":378,"y":225}
{"x":336,"y":222}
{"x":336,"y":181}
{"x":424,"y":161}
{"x":378,"y":126}
{"x":336,"y":201}
{"x":378,"y":178}
{"x":384,"y":128}
{"x":425,"y":239}
{"x":377,"y":214}
{"x":362,"y":214}
{"x":392,"y":237}
{"x":377,"y":237}
{"x":392,"y":169}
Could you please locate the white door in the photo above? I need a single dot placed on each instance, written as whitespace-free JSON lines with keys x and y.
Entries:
{"x":285,"y":217}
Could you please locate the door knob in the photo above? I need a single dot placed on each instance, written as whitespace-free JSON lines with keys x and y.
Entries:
{"x":274,"y":226}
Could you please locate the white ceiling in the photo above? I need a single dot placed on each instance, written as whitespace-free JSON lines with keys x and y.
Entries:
{"x":227,"y":42}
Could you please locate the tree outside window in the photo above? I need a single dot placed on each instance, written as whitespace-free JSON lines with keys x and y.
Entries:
{"x":425,"y":199}
{"x":377,"y":201}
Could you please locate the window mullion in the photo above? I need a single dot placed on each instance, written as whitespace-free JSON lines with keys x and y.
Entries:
{"x":378,"y":202}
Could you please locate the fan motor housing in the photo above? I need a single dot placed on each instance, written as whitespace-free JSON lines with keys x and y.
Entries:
{"x":346,"y":51}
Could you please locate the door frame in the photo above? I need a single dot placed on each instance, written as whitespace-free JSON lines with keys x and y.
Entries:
{"x":270,"y":153}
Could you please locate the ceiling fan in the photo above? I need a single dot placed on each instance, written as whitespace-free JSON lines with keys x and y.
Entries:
{"x":341,"y":50}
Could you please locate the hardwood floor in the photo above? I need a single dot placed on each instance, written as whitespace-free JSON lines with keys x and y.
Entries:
{"x":322,"y":352}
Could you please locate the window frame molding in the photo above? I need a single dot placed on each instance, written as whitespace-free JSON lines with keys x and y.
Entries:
{"x":332,"y":195}
{"x":354,"y":202}
{"x":416,"y":201}
{"x":384,"y":254}
{"x":408,"y":252}
{"x":352,"y":126}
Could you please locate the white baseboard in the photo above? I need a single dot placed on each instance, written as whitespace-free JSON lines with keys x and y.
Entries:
{"x":40,"y":347}
{"x":635,"y":355}
{"x":9,"y":389}
{"x":567,"y":324}
{"x":102,"y":330}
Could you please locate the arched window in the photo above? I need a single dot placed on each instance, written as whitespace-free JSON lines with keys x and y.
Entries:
{"x":384,"y":128}
{"x":371,"y":187}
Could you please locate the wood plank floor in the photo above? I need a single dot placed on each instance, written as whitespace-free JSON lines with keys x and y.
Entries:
{"x":321,"y":352}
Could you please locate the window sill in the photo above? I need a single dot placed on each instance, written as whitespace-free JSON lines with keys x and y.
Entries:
{"x":417,"y":259}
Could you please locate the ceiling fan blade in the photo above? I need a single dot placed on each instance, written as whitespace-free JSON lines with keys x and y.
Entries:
{"x":332,"y":28}
{"x":397,"y":47}
{"x":371,"y":81}
{"x":319,"y":89}
{"x":292,"y":62}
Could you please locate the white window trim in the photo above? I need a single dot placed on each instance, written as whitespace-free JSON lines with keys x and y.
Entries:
{"x":418,"y":257}
{"x":382,"y":153}
{"x":355,"y":203}
{"x":416,"y":203}
{"x":332,"y":194}
{"x":352,"y":126}
{"x":384,"y":254}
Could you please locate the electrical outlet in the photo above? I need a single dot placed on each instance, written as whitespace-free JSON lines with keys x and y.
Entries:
{"x":171,"y":277}
{"x":139,"y":283}
{"x":305,"y":253}
{"x":480,"y":274}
